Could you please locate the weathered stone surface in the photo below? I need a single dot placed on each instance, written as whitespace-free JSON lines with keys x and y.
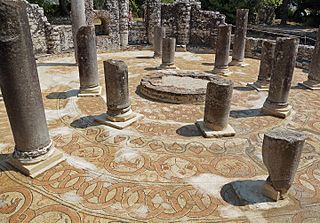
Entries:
{"x":168,"y":53}
{"x":78,"y":14}
{"x":124,"y":22}
{"x":238,"y":51}
{"x":313,"y":81}
{"x":223,"y":50}
{"x":281,"y":151}
{"x":218,"y":102}
{"x":280,"y":83}
{"x":159,"y":34}
{"x":152,"y":17}
{"x":21,"y":88}
{"x":116,"y":76}
{"x":178,"y":87}
{"x":266,"y":66}
{"x":87,"y":58}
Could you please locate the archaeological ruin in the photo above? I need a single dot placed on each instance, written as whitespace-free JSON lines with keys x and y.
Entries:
{"x":178,"y":115}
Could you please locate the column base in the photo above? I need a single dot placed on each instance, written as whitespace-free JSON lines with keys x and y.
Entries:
{"x":90,"y":92}
{"x":35,"y":169}
{"x":157,"y":56}
{"x":280,"y":112}
{"x":312,"y":85}
{"x":122,"y":117}
{"x":209,"y":133}
{"x":271,"y":193}
{"x":238,"y":63}
{"x":222,"y":71}
{"x":259,"y":86}
{"x":103,"y":119}
{"x":167,"y":67}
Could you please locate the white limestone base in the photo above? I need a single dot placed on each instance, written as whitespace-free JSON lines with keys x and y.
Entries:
{"x":209,"y":133}
{"x":90,"y":92}
{"x":222,"y":71}
{"x":275,"y":111}
{"x":118,"y":125}
{"x":312,"y":85}
{"x":122,"y":117}
{"x":167,"y":67}
{"x":270,"y":192}
{"x":259,"y":87}
{"x":34,"y":170}
{"x":238,"y":63}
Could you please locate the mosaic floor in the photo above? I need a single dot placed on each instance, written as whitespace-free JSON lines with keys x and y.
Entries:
{"x":160,"y":169}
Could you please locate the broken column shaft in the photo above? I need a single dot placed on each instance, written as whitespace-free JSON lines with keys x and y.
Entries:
{"x":280,"y":83}
{"x":88,"y":65}
{"x":34,"y":152}
{"x":313,"y":81}
{"x":223,"y":51}
{"x":116,"y":76}
{"x":281,"y":151}
{"x":119,"y":114}
{"x":168,"y":53}
{"x":78,"y":17}
{"x":266,"y":66}
{"x":217,"y":109}
{"x":159,"y":34}
{"x":239,"y":45}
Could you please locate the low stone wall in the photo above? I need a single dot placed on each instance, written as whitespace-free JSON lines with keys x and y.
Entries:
{"x":304,"y":57}
{"x":137,"y":33}
{"x":61,"y":39}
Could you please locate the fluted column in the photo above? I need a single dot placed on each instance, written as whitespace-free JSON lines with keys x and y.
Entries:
{"x":34,"y":152}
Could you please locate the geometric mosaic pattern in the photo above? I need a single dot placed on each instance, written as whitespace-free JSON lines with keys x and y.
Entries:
{"x":160,"y":169}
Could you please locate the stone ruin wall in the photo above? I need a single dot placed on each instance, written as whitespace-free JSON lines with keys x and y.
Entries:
{"x":304,"y":57}
{"x":184,"y":20}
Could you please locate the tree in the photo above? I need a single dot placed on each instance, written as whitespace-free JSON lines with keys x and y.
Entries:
{"x":63,"y":8}
{"x":284,"y":11}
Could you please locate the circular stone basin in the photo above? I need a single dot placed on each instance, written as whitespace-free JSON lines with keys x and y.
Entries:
{"x":177,"y":87}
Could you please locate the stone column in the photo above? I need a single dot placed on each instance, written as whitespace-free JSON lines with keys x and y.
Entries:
{"x":168,"y":53}
{"x":217,"y":109}
{"x":281,"y":151}
{"x":119,"y":114}
{"x":124,"y":22}
{"x":153,"y":17}
{"x":280,"y":83}
{"x":88,"y":65}
{"x":78,"y":17}
{"x":313,"y":81}
{"x":159,"y":34}
{"x":266,"y":66}
{"x":223,"y":50}
{"x":34,"y":152}
{"x":239,"y":45}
